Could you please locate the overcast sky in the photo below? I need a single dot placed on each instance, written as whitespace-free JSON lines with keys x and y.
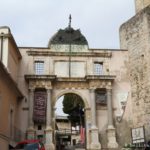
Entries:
{"x":33,"y":22}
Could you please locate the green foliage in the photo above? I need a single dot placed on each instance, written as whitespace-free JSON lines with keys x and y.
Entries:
{"x":70,"y":102}
{"x":73,"y":106}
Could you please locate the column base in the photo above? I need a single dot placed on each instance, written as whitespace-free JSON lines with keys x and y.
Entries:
{"x":95,"y":144}
{"x":49,"y":139}
{"x":111,"y":135}
{"x":30,"y":133}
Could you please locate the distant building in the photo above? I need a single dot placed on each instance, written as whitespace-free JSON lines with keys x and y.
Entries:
{"x":63,"y":131}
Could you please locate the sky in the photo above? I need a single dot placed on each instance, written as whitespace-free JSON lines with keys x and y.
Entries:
{"x":59,"y":107}
{"x":34,"y":22}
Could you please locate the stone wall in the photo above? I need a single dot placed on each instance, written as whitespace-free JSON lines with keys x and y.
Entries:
{"x":135,"y":36}
{"x":141,"y":4}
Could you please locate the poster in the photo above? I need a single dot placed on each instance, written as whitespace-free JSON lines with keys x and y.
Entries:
{"x":39,"y":111}
{"x":138,"y":135}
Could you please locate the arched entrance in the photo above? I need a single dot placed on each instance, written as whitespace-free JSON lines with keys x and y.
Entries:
{"x":85,"y":90}
{"x":70,"y":126}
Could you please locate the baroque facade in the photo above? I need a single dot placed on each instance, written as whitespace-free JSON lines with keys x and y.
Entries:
{"x":113,"y":84}
{"x":68,"y":65}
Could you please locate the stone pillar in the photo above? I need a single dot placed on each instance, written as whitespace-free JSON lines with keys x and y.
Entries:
{"x":31,"y":130}
{"x":48,"y":131}
{"x":111,"y":134}
{"x":95,"y":144}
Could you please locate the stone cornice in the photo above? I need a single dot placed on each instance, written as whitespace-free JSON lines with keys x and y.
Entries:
{"x":69,"y":79}
{"x":74,"y":54}
{"x":11,"y":38}
{"x":72,"y":79}
{"x":100,"y":77}
{"x":87,"y":82}
{"x":40,"y":77}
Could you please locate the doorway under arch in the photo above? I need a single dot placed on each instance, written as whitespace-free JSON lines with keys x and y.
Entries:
{"x":70,"y":123}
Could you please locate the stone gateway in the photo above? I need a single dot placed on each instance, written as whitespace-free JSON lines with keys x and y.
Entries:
{"x":112,"y":83}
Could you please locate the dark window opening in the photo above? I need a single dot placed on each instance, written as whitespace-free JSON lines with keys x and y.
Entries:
{"x":39,"y":127}
{"x":101,"y":97}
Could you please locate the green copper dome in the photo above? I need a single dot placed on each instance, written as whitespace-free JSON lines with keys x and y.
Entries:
{"x":68,"y":36}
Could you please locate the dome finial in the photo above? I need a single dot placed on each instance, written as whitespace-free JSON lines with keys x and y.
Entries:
{"x":70,"y":21}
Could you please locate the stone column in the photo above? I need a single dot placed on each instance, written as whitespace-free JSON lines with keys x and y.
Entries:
{"x":95,"y":144}
{"x":93,"y":108}
{"x":111,"y":134}
{"x":49,"y":110}
{"x":109,"y":107}
{"x":48,"y":131}
{"x":31,"y":130}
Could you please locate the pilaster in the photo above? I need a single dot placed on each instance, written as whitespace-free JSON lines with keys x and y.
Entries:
{"x":31,"y":130}
{"x":95,"y":144}
{"x":48,"y":131}
{"x":111,"y":133}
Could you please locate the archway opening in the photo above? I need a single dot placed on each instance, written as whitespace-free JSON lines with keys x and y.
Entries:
{"x":70,"y":122}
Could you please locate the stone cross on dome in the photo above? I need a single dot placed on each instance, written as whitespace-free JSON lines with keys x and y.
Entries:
{"x":70,"y":21}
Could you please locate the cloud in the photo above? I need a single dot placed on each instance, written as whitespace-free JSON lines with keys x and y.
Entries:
{"x":33,"y":22}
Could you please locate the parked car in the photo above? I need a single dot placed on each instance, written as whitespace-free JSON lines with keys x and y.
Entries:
{"x":30,"y":145}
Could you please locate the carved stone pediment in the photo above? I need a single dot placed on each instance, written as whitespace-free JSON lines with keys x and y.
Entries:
{"x":51,"y":81}
{"x":100,"y":81}
{"x":95,"y":84}
{"x":71,"y":85}
{"x":33,"y":84}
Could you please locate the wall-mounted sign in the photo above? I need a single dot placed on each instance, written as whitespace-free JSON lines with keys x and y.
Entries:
{"x":138,"y":135}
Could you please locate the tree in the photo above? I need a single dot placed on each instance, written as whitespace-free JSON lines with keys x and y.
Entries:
{"x":73,"y":106}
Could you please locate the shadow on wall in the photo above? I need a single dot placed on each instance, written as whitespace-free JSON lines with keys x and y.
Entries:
{"x":123,"y":131}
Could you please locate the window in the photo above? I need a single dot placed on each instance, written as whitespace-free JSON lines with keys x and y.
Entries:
{"x":39,"y":67}
{"x":39,"y":127}
{"x":98,"y":68}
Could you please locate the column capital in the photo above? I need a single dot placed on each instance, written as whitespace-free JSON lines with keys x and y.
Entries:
{"x":92,"y":90}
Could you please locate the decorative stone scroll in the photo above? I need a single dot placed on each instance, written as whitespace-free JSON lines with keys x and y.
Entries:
{"x":71,"y":85}
{"x":40,"y":84}
{"x":99,"y":84}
